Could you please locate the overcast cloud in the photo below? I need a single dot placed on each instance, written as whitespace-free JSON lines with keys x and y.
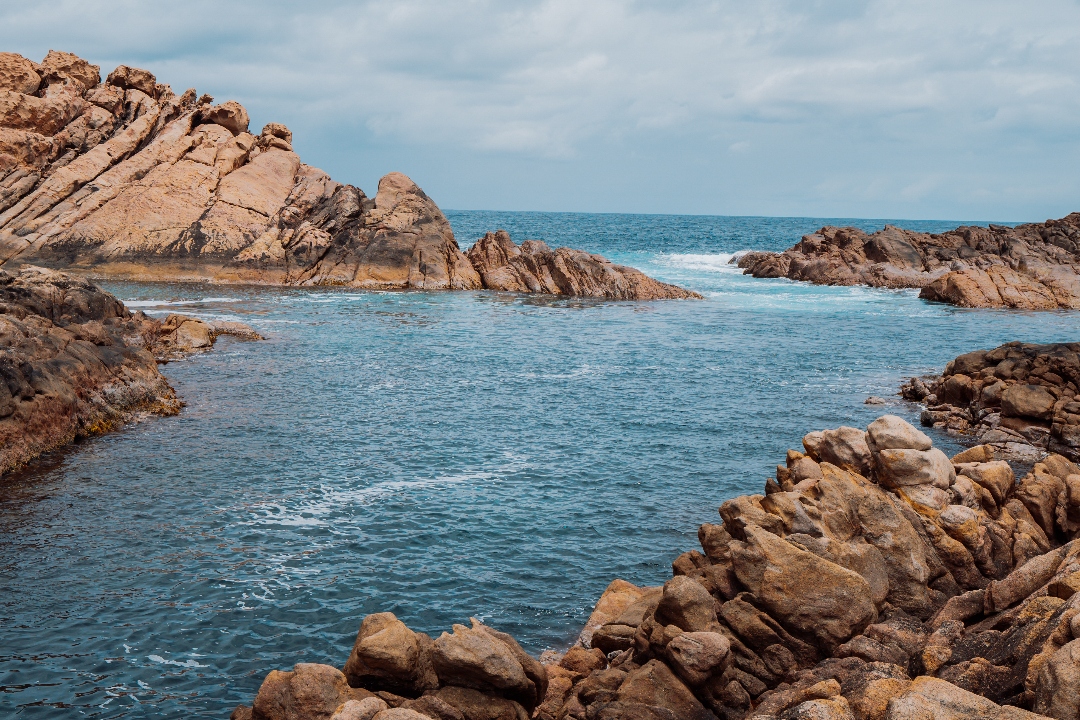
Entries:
{"x":916,"y":109}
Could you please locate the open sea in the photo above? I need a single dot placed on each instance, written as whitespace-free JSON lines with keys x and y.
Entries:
{"x":436,"y":454}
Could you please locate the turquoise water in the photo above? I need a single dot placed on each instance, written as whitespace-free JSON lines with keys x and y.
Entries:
{"x":439,"y":455}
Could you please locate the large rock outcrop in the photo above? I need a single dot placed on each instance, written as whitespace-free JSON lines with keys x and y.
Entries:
{"x":75,"y":362}
{"x":535,"y":268}
{"x":1030,"y":267}
{"x":1020,"y":400}
{"x":126,"y":179}
{"x":909,"y":590}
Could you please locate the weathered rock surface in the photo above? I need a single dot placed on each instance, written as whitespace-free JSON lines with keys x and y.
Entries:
{"x":74,"y":362}
{"x":1020,"y":401}
{"x":126,"y":179}
{"x":1030,"y":267}
{"x":837,"y":594}
{"x":536,"y":268}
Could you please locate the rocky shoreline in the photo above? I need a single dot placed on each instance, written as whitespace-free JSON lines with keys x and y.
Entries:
{"x":1020,"y":400}
{"x":1028,"y":267}
{"x":125,"y":179}
{"x":74,"y":362}
{"x":875,"y":578}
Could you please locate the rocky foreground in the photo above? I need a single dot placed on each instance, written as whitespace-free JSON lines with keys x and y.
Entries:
{"x":74,"y":362}
{"x":875,"y":579}
{"x":1029,"y":267}
{"x":126,"y":179}
{"x":1020,"y":400}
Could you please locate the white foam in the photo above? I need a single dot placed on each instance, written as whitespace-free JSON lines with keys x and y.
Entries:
{"x":702,"y":262}
{"x":177,"y":663}
{"x":170,"y":303}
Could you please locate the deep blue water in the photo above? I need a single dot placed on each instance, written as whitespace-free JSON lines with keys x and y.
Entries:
{"x":439,"y":455}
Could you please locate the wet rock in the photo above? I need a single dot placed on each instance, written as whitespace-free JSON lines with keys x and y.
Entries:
{"x":74,"y":362}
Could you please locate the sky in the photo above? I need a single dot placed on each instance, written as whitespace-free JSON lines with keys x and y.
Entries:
{"x":854,"y":108}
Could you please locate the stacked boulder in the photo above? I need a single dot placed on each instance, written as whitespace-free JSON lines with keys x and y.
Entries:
{"x":1021,"y":399}
{"x":394,"y":673}
{"x":875,"y":579}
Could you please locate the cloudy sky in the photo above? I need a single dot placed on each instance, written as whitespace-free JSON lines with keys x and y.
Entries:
{"x":852,"y":108}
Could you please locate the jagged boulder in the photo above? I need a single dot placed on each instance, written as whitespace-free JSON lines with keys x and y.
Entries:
{"x":387,"y":655}
{"x":535,"y":267}
{"x":128,"y":180}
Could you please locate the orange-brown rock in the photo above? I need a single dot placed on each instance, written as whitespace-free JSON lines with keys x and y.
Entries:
{"x":1029,"y":267}
{"x":126,"y":179}
{"x":1018,"y":400}
{"x":534,"y":267}
{"x":74,"y":362}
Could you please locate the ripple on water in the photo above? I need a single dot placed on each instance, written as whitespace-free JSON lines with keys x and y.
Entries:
{"x":435,"y":455}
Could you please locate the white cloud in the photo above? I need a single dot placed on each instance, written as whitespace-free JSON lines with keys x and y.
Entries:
{"x":829,"y":95}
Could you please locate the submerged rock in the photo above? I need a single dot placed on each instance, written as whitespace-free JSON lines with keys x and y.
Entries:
{"x":1029,"y":267}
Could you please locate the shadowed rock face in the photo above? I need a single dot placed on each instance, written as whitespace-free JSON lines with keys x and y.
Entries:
{"x":1030,"y":267}
{"x":75,"y":362}
{"x":126,"y":179}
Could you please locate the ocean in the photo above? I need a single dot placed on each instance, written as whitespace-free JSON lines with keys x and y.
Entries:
{"x":439,"y":455}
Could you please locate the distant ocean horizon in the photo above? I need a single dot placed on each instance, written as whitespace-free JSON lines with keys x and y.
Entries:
{"x":439,"y":455}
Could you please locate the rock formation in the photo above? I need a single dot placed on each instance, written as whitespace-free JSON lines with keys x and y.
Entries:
{"x":535,"y":268}
{"x":1020,"y":400}
{"x":126,"y":179}
{"x":875,"y":579}
{"x":1030,"y":267}
{"x":75,"y":362}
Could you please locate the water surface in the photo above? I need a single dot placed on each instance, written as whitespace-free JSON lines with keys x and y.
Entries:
{"x":438,"y":455}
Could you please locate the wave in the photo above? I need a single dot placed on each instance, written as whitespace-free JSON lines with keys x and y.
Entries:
{"x":164,"y":303}
{"x":702,"y":262}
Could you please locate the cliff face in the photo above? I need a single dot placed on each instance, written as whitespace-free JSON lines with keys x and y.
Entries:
{"x":1030,"y":267}
{"x":126,"y":179}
